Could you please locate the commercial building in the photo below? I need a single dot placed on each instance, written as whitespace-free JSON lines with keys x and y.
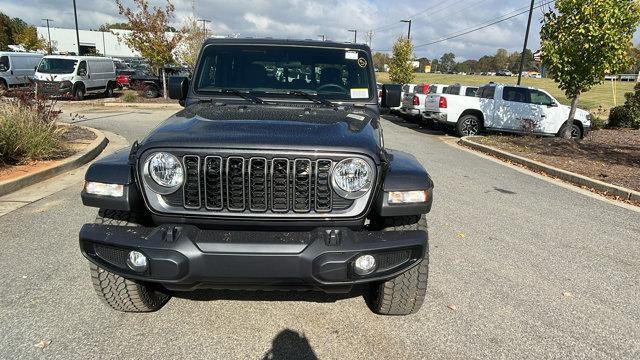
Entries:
{"x":104,"y":43}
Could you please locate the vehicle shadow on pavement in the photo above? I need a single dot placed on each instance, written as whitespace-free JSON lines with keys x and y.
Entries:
{"x":416,"y":125}
{"x":289,"y":344}
{"x":262,"y":295}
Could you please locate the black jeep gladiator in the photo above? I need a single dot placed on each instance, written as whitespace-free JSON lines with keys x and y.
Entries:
{"x":274,"y":177}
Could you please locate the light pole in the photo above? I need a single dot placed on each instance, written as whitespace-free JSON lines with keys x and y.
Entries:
{"x":355,"y":35}
{"x":526,"y":37}
{"x":75,"y":15}
{"x":322,"y":36}
{"x":409,"y":32}
{"x":48,"y":35}
{"x":204,"y":26}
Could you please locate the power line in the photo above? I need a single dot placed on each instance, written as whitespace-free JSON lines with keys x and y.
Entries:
{"x":447,"y":37}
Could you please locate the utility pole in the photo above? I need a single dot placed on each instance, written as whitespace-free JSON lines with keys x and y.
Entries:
{"x":75,"y":15}
{"x":204,"y":26}
{"x":49,"y":35}
{"x":322,"y":36}
{"x":409,"y":32}
{"x":355,"y":35}
{"x":524,"y":48}
{"x":369,"y":37}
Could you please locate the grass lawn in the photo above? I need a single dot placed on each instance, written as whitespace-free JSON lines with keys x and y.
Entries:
{"x":600,"y":95}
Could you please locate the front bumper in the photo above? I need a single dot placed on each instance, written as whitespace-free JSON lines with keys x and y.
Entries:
{"x":54,"y":88}
{"x":184,"y":257}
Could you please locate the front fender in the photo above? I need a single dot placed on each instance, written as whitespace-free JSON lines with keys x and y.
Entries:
{"x":404,"y":173}
{"x":114,"y":169}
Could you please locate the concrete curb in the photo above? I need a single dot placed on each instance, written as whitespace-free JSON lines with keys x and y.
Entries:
{"x":143,"y":105}
{"x":568,"y":176}
{"x":70,"y":163}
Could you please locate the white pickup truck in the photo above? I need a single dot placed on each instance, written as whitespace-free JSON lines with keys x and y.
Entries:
{"x":506,"y":108}
{"x":413,"y":103}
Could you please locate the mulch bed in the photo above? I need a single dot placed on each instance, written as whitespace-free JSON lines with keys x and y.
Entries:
{"x":74,"y":139}
{"x":610,"y":155}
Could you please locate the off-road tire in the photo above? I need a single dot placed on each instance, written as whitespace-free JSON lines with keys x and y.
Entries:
{"x":404,"y":294}
{"x":468,"y":125}
{"x":79,"y":92}
{"x":576,"y":132}
{"x":151,"y":92}
{"x":3,"y":85}
{"x":126,"y":295}
{"x":118,"y":292}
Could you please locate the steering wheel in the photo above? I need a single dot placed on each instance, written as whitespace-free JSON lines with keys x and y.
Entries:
{"x":336,"y":86}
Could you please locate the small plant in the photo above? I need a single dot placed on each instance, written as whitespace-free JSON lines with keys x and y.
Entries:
{"x":129,"y":96}
{"x":623,"y":117}
{"x":28,"y":129}
{"x":598,"y":123}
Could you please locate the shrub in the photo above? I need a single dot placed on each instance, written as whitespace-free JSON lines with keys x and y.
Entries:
{"x":598,"y":123}
{"x":623,"y":117}
{"x":129,"y":96}
{"x":28,"y":130}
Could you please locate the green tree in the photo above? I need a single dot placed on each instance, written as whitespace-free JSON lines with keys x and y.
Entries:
{"x":435,"y":65}
{"x":192,"y":41}
{"x":29,"y":39}
{"x":400,"y":67}
{"x":486,"y":64}
{"x":582,"y":40}
{"x":9,"y":29}
{"x":447,"y":62}
{"x":501,"y":59}
{"x":380,"y":60}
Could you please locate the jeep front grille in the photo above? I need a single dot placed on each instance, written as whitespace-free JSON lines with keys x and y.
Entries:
{"x":232,"y":184}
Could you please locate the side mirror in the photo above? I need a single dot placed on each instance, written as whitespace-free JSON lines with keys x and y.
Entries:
{"x":391,"y":95}
{"x":552,"y":105}
{"x":178,"y":88}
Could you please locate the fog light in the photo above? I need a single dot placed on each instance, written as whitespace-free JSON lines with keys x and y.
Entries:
{"x":137,"y":261}
{"x":364,"y":264}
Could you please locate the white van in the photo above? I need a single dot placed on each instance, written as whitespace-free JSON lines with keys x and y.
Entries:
{"x":77,"y":76}
{"x":17,"y":69}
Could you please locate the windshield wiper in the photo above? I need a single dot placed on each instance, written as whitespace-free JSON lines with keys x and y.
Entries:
{"x":314,"y":98}
{"x":245,"y":95}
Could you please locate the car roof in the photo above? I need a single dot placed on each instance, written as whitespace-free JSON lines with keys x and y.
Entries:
{"x":74,"y":57}
{"x":14,"y":53}
{"x":287,"y":42}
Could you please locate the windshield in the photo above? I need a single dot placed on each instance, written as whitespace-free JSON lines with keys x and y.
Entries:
{"x":57,"y":66}
{"x":4,"y":63}
{"x":334,"y":74}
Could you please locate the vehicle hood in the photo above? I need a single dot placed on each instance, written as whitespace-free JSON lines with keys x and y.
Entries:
{"x":266,"y":127}
{"x":581,"y":115}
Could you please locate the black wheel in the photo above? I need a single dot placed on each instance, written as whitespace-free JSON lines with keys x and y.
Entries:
{"x":120,"y":293}
{"x":151,"y":92}
{"x":3,"y":85}
{"x":468,"y":125}
{"x":404,"y":294}
{"x":79,"y":93}
{"x":109,"y":91}
{"x":576,"y":132}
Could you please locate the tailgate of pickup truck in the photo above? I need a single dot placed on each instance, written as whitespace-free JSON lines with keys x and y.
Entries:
{"x":432,"y":103}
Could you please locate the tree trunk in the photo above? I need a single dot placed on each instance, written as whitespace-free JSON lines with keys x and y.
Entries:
{"x":164,"y":83}
{"x":566,"y":134}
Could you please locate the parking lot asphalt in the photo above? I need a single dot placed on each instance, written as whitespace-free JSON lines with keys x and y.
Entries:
{"x":521,"y":268}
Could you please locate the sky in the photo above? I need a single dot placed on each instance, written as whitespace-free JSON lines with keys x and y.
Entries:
{"x":432,"y":20}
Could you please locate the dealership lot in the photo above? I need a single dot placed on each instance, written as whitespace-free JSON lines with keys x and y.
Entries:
{"x":520,"y":268}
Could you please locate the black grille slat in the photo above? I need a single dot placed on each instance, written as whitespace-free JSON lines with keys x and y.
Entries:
{"x":213,"y":182}
{"x":302,"y":185}
{"x":258,"y":184}
{"x":240,"y":183}
{"x":235,"y":184}
{"x":191,"y":190}
{"x":323,"y":191}
{"x":280,"y":185}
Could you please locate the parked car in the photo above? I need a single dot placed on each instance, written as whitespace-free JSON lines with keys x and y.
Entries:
{"x":507,"y":108}
{"x":406,"y":89}
{"x":413,"y":102}
{"x":151,"y":85}
{"x":434,"y":98}
{"x":123,"y":78}
{"x":504,"y":72}
{"x":17,"y":69}
{"x":258,"y":184}
{"x":76,"y":76}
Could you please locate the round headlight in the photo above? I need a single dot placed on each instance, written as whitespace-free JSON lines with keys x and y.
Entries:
{"x":166,"y":170}
{"x":352,"y":178}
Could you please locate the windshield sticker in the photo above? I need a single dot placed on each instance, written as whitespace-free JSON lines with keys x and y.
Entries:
{"x":360,"y":93}
{"x":351,"y":55}
{"x":362,"y":62}
{"x":357,"y":117}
